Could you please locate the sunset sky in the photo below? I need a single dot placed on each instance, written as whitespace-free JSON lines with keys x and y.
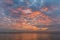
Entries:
{"x":28,"y":14}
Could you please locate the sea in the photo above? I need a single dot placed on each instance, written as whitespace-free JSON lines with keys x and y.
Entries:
{"x":29,"y":36}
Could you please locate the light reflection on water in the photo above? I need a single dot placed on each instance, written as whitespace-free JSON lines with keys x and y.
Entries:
{"x":30,"y":36}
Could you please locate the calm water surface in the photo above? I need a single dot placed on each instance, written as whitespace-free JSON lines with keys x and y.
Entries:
{"x":30,"y":36}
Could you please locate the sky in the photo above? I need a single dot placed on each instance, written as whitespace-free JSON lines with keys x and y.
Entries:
{"x":27,"y":14}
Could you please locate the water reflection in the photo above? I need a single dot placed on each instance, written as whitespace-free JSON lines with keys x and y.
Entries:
{"x":29,"y":36}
